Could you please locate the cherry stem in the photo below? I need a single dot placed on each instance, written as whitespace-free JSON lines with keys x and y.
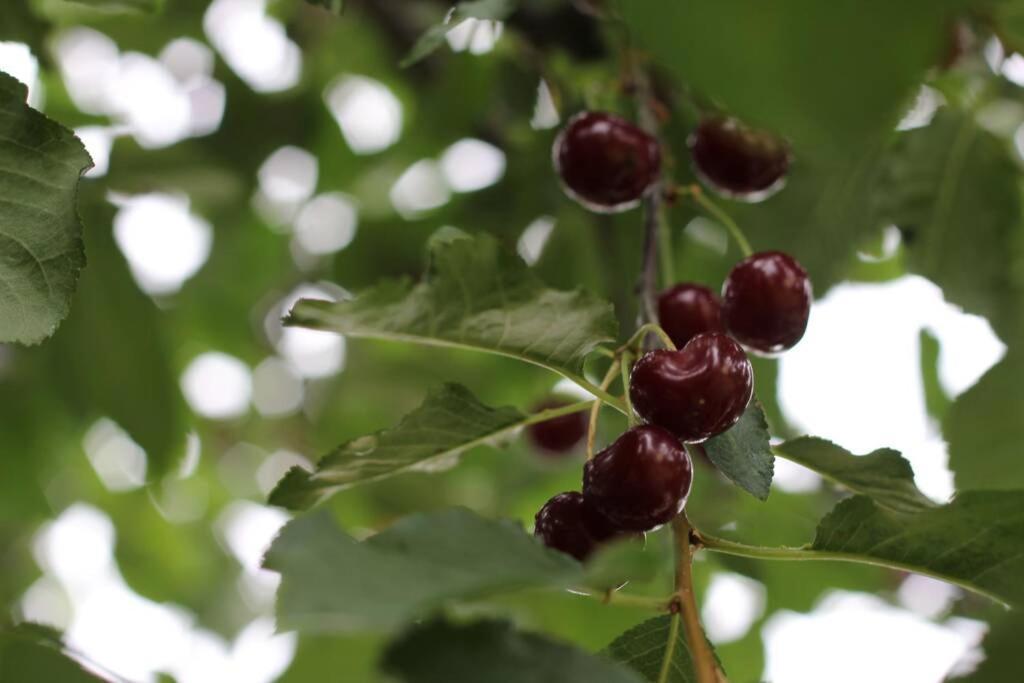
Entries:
{"x":670,"y":650}
{"x":625,"y":366}
{"x":684,"y":603}
{"x":643,"y":330}
{"x":595,"y":409}
{"x":719,"y":214}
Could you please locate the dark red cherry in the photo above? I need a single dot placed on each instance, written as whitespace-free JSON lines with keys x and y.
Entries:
{"x":696,"y":392}
{"x":641,"y":480}
{"x":766,"y":301}
{"x":738,"y":161}
{"x":688,"y":309}
{"x":559,"y":435}
{"x":605,"y":162}
{"x":570,"y":523}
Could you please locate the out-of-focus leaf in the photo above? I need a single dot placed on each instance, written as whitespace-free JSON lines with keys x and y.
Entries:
{"x":985,"y":431}
{"x":884,"y":475}
{"x":1009,"y":17}
{"x":41,"y":251}
{"x":743,"y":453}
{"x":953,"y":190}
{"x":974,"y":541}
{"x":475,"y":296}
{"x":1002,"y":652}
{"x":626,"y":560}
{"x":129,"y":377}
{"x":332,"y":583}
{"x":433,"y":37}
{"x":449,"y":422}
{"x":493,"y":651}
{"x":30,"y":653}
{"x":122,"y":5}
{"x":643,"y":648}
{"x":334,"y":6}
{"x":830,"y":76}
{"x":936,"y":401}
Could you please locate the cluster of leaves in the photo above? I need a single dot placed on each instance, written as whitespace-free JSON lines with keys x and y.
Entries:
{"x":834,"y":78}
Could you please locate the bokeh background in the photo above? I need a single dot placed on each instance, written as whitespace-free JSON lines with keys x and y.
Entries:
{"x":251,"y":152}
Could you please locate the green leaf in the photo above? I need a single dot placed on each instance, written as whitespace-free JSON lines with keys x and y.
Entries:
{"x":743,"y":453}
{"x":475,"y":296}
{"x":30,"y":653}
{"x":985,"y":431}
{"x":449,"y":422}
{"x":622,"y":561}
{"x":120,"y":6}
{"x":493,"y":651}
{"x":936,"y":401}
{"x":831,"y":76}
{"x":41,"y":250}
{"x":332,"y":583}
{"x":884,"y":475}
{"x":952,"y":188}
{"x":1002,"y":651}
{"x":1009,"y":17}
{"x":643,"y":648}
{"x":334,"y":6}
{"x":974,"y":541}
{"x":433,"y":37}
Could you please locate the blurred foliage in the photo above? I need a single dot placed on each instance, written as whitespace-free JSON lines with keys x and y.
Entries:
{"x":835,"y":78}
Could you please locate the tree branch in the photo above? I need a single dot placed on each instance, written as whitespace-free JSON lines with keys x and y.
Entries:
{"x":684,"y":603}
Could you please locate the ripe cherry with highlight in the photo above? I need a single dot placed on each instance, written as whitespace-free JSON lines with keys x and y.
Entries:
{"x":641,"y":480}
{"x":605,"y":162}
{"x":689,"y":309}
{"x":766,"y":301}
{"x":697,"y":392}
{"x":559,"y":435}
{"x":738,"y":161}
{"x":570,"y":523}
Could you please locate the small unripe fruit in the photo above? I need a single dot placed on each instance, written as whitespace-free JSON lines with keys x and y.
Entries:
{"x":605,"y":162}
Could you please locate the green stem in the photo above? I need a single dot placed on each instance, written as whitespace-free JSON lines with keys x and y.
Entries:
{"x":552,"y":413}
{"x":625,"y":366}
{"x":670,"y":649}
{"x":725,"y":219}
{"x":600,"y":393}
{"x":665,"y":250}
{"x":805,"y":554}
{"x":650,"y":328}
{"x":685,"y":603}
{"x":595,"y":409}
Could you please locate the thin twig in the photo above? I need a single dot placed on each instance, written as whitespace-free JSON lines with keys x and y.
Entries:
{"x":670,"y":650}
{"x":685,"y":604}
{"x":595,"y":409}
{"x":721,"y":216}
{"x":625,"y":365}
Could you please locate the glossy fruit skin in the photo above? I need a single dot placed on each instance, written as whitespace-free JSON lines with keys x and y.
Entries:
{"x":689,"y":309}
{"x":697,"y":392}
{"x":570,"y":523}
{"x":560,"y":435}
{"x":641,"y":480}
{"x":766,"y":302}
{"x":737,"y":161}
{"x":605,"y":162}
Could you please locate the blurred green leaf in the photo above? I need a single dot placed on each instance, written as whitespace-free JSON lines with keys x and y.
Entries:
{"x":985,"y":431}
{"x":30,"y":653}
{"x":449,"y":422}
{"x":883,"y":475}
{"x":832,"y":76}
{"x":122,"y":5}
{"x":936,"y":401}
{"x":643,"y":648}
{"x":493,"y":651}
{"x":332,"y":583}
{"x":1002,"y":651}
{"x":130,"y":377}
{"x":953,"y":190}
{"x":334,"y":6}
{"x":743,"y":453}
{"x":626,"y":560}
{"x":479,"y":297}
{"x":41,"y":250}
{"x":974,"y":541}
{"x":433,"y":37}
{"x":1008,"y":16}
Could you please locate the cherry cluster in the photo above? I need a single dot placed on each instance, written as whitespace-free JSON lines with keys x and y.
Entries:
{"x":700,"y":389}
